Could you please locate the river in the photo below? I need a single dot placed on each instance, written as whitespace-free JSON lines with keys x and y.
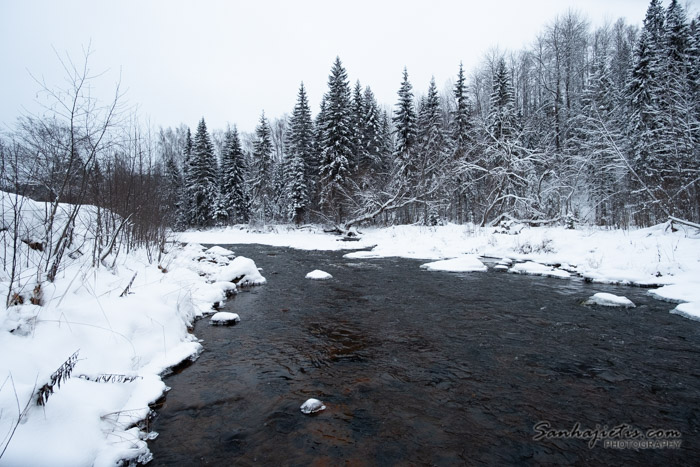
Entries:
{"x":428,"y":368}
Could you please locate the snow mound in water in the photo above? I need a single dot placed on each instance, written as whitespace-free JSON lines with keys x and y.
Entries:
{"x":537,"y":269}
{"x":225,"y":317}
{"x":312,"y":406}
{"x":464,"y":263}
{"x":218,"y":250}
{"x":318,"y":275}
{"x":608,"y":299}
{"x":242,"y":271}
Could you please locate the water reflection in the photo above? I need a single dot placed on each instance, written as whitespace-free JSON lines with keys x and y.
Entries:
{"x":420,"y":367}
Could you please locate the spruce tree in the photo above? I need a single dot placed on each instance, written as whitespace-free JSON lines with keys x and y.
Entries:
{"x":431,"y":149}
{"x":297,"y":191}
{"x":262,"y":170}
{"x":184,"y":215}
{"x":461,"y":118}
{"x":371,"y":139}
{"x":430,"y":134}
{"x":462,"y":139}
{"x":662,"y":143}
{"x":235,"y":202}
{"x":300,"y":139}
{"x":302,"y":162}
{"x":174,"y":189}
{"x":680,"y":153}
{"x":502,"y":116}
{"x":404,"y":120}
{"x":202,"y":188}
{"x":336,"y":143}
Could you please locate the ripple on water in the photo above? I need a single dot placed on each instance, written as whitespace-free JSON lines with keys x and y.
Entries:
{"x":427,"y":368}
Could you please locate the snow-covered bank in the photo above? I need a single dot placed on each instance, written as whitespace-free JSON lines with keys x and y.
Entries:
{"x":96,"y":348}
{"x":654,"y":256}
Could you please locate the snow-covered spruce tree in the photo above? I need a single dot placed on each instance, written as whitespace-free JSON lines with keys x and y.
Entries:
{"x":296,"y":189}
{"x":171,"y":147}
{"x":404,"y":120}
{"x":462,"y":126}
{"x":358,"y":127}
{"x":372,"y":138}
{"x":462,"y":142}
{"x":174,"y":186}
{"x":234,"y":200}
{"x":184,"y":215}
{"x":681,"y":127}
{"x":301,"y":134}
{"x":336,"y":145}
{"x":301,"y":163}
{"x":202,"y":178}
{"x":694,"y":58}
{"x":502,"y":116}
{"x":430,"y":153}
{"x":262,"y":171}
{"x":387,"y":148}
{"x":663,"y":122}
{"x":644,"y":123}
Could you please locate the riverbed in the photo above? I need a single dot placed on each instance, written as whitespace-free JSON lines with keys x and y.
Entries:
{"x":419,"y":367}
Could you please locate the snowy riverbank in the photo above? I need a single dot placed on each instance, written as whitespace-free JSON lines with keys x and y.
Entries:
{"x":654,"y":256}
{"x":124,"y":345}
{"x":96,"y":348}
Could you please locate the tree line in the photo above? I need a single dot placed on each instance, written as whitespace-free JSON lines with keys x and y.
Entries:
{"x":586,"y":125}
{"x":598,"y":126}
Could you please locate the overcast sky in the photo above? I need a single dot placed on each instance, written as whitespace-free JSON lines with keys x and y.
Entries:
{"x":227,"y":61}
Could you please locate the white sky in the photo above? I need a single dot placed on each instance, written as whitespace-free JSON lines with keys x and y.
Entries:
{"x":229,"y":60}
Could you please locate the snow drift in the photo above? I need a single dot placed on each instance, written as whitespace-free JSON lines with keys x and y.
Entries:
{"x":95,"y":350}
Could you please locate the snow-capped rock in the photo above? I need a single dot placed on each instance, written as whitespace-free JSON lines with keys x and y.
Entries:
{"x":608,"y":299}
{"x":312,"y":406}
{"x":224,"y":318}
{"x":318,"y":275}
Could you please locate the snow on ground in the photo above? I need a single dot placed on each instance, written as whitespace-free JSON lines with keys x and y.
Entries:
{"x":651,"y":256}
{"x":112,"y":349}
{"x":608,"y":299}
{"x":464,"y":263}
{"x":318,"y":275}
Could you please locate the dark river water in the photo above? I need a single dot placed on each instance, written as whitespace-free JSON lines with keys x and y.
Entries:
{"x":429,"y":368}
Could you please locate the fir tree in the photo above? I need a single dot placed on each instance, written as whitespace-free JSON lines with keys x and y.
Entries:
{"x":202,"y":188}
{"x":461,"y":118}
{"x":662,"y":144}
{"x":301,"y":134}
{"x":262,"y":170}
{"x":235,"y":202}
{"x":174,"y":188}
{"x":336,"y":142}
{"x":302,"y":161}
{"x":371,"y":139}
{"x":462,"y":141}
{"x":184,"y":218}
{"x":405,"y":127}
{"x":296,"y":190}
{"x":358,"y":127}
{"x":502,"y":116}
{"x":430,"y":135}
{"x":431,"y":147}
